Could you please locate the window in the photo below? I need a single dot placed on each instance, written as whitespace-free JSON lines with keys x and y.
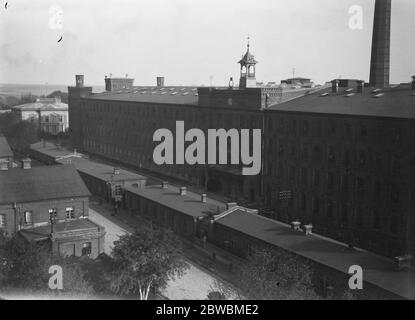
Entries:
{"x":2,"y":220}
{"x":329,"y":208}
{"x":251,"y":251}
{"x":303,"y":203}
{"x":53,"y":214}
{"x":363,"y":130}
{"x":344,"y":213}
{"x":394,"y":224}
{"x":304,"y":176}
{"x":330,"y":180}
{"x":70,"y":213}
{"x":346,"y":157}
{"x":316,"y":178}
{"x":376,"y":220}
{"x":362,"y":159}
{"x":377,"y":189}
{"x":316,"y":207}
{"x":331,"y":154}
{"x":292,"y":173}
{"x":86,"y":248}
{"x":316,"y":151}
{"x":27,"y":217}
{"x":395,"y":194}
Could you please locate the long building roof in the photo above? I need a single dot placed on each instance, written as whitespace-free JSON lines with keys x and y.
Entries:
{"x":377,"y":270}
{"x":189,"y":204}
{"x":90,"y":167}
{"x":394,"y":102}
{"x":43,"y":104}
{"x":168,"y":95}
{"x":41,"y":183}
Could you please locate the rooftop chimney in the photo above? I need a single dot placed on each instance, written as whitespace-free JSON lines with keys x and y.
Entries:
{"x":4,"y":165}
{"x":295,"y":225}
{"x":308,"y":229}
{"x":359,"y":86}
{"x":183,"y":191}
{"x":164,"y":184}
{"x":27,"y":163}
{"x":160,"y":81}
{"x":335,"y":86}
{"x":116,"y":169}
{"x":79,"y":80}
{"x":203,"y":197}
{"x":380,"y":61}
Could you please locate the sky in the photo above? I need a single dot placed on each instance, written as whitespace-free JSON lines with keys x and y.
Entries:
{"x":195,"y":42}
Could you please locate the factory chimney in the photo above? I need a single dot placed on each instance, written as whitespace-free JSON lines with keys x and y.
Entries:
{"x":380,"y":61}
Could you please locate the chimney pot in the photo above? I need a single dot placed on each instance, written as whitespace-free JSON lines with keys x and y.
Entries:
{"x":402,"y":261}
{"x":183,"y":191}
{"x":295,"y":225}
{"x":203,"y":197}
{"x":27,"y":163}
{"x":160,"y":81}
{"x":308,"y":229}
{"x":116,"y":170}
{"x":79,"y":78}
{"x":335,"y":86}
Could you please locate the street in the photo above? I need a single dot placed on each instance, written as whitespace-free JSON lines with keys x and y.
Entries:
{"x":195,"y":283}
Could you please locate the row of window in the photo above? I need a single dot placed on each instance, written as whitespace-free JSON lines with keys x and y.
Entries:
{"x":360,"y":216}
{"x":53,"y":215}
{"x":316,"y":153}
{"x":332,"y":129}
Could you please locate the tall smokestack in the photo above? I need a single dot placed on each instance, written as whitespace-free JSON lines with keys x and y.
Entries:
{"x":380,"y":62}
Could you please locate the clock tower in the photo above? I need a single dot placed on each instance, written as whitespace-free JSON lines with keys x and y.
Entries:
{"x":248,"y":62}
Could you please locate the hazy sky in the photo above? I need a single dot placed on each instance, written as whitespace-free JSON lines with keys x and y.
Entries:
{"x":189,"y":41}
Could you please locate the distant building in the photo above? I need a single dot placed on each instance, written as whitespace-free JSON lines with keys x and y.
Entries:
{"x":6,"y":154}
{"x":298,"y":82}
{"x":50,"y":113}
{"x":49,"y":204}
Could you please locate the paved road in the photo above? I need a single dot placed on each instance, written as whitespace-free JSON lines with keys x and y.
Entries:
{"x":196,"y":282}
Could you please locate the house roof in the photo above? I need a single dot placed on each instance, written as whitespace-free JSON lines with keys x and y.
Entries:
{"x":395,"y":102}
{"x":43,"y":104}
{"x":377,"y":270}
{"x":100,"y":170}
{"x":5,"y":151}
{"x":171,"y":95}
{"x":189,"y":204}
{"x":41,"y":183}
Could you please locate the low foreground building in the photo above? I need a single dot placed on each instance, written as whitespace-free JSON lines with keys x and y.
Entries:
{"x":49,"y":204}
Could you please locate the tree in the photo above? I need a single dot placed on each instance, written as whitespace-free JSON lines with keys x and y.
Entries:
{"x":272,"y":275}
{"x":60,"y":94}
{"x":19,"y":133}
{"x":146,"y":260}
{"x":26,"y":266}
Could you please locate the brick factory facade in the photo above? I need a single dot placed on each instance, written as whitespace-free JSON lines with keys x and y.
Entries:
{"x":341,"y":158}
